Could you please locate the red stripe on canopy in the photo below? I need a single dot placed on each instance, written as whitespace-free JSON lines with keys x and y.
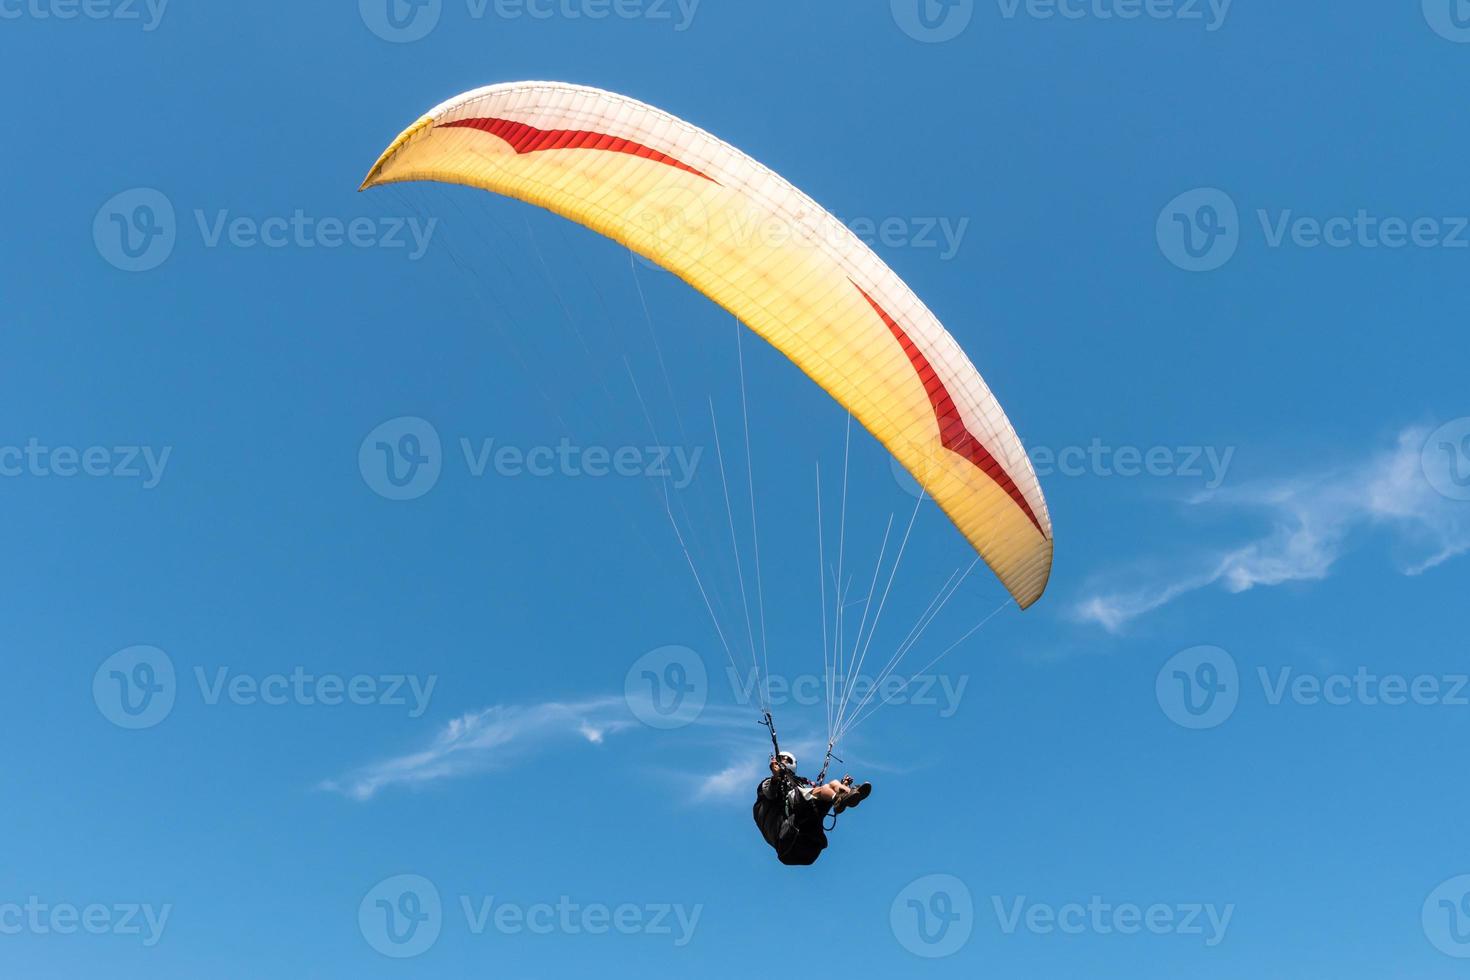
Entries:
{"x":953,"y":433}
{"x":524,"y":138}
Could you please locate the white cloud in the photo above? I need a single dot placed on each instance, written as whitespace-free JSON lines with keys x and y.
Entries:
{"x":734,"y":780}
{"x":751,"y":765}
{"x":1314,"y":519}
{"x":502,"y":736}
{"x":488,"y":739}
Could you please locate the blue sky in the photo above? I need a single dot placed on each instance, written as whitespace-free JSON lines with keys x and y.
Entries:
{"x":1211,"y":259}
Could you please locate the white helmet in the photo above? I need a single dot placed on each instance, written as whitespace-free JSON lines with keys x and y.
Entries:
{"x":787,"y":759}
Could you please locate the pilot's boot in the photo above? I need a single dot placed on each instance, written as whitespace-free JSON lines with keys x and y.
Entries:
{"x":856,"y":796}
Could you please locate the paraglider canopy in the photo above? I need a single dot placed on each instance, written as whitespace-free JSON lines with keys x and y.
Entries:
{"x":782,"y":264}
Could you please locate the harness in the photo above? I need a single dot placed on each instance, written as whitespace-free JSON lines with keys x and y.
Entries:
{"x":789,"y":780}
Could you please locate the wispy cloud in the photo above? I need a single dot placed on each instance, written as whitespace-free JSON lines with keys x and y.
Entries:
{"x":1314,"y":519}
{"x":486,"y":740}
{"x":750,"y":765}
{"x":734,"y":780}
{"x":501,"y":736}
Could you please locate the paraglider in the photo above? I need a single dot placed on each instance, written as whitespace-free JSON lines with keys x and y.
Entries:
{"x":791,"y":810}
{"x":786,"y":268}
